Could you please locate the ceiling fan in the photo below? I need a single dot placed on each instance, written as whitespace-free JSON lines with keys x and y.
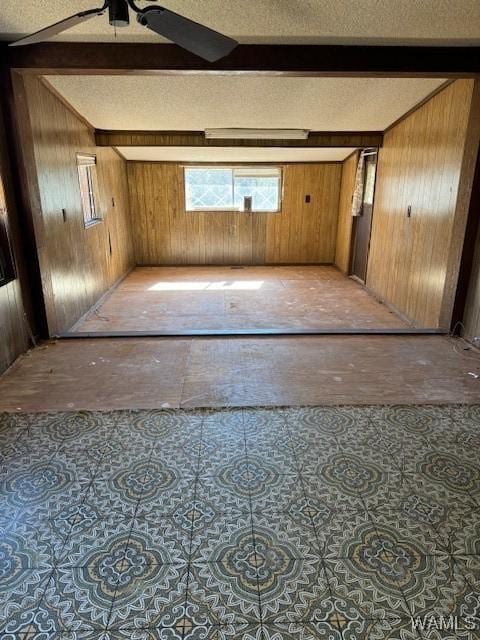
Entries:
{"x":190,"y":35}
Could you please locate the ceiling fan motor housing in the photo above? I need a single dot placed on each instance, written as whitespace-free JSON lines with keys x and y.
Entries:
{"x":118,"y":13}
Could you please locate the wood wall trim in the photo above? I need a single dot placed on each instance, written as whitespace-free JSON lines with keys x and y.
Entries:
{"x":324,"y":139}
{"x":288,"y":60}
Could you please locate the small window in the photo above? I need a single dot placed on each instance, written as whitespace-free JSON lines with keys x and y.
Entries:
{"x":7,"y":269}
{"x":255,"y":189}
{"x":87,"y":176}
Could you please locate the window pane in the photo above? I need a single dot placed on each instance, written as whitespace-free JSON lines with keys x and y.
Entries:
{"x":264,"y":192}
{"x":208,"y":189}
{"x":87,"y":176}
{"x":85,"y":193}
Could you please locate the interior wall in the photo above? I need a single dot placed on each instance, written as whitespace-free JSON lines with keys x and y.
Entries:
{"x":345,"y":220}
{"x":13,"y":332}
{"x":425,"y":163}
{"x":78,"y":264}
{"x":164,"y":233}
{"x":471,"y":318}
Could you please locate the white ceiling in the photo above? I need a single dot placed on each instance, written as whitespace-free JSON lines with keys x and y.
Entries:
{"x":275,"y":21}
{"x":233,"y":154}
{"x":200,"y":102}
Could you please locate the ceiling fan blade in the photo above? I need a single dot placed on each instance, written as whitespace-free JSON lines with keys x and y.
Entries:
{"x":58,"y":27}
{"x":190,"y":35}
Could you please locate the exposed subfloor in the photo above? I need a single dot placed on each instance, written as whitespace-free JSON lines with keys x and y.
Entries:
{"x":128,"y":373}
{"x":229,"y":298}
{"x":281,"y":524}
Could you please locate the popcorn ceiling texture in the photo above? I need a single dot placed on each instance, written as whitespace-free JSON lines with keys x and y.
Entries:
{"x":233,"y":154}
{"x":287,"y":21}
{"x":198,"y":102}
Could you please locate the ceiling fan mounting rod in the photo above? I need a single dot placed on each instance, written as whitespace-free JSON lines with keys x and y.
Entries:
{"x":137,"y":9}
{"x":118,"y":13}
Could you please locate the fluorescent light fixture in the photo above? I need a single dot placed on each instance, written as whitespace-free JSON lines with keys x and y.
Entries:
{"x":256,"y":134}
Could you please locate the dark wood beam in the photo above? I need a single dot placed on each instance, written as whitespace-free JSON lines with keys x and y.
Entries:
{"x":288,"y":60}
{"x":117,"y":138}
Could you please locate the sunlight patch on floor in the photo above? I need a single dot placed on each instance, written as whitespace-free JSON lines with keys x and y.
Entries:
{"x":237,"y":285}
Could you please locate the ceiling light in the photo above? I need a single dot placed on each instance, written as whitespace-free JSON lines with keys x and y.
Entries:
{"x":256,"y":134}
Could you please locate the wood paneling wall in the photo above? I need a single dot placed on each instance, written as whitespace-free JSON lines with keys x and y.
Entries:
{"x":345,"y":220}
{"x":77,"y":263}
{"x":13,"y":332}
{"x":301,"y":233}
{"x":426,"y":162}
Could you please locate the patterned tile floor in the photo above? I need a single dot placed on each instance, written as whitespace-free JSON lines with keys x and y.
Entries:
{"x":262,"y":524}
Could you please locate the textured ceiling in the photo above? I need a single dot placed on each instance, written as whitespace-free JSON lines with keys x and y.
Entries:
{"x":312,"y":21}
{"x":199,"y":102}
{"x":233,"y":154}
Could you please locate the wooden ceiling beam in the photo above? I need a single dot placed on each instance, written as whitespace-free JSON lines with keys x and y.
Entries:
{"x":117,"y":138}
{"x":254,"y":59}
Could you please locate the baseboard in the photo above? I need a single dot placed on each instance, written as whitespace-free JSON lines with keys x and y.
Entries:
{"x":100,"y":301}
{"x":249,"y":333}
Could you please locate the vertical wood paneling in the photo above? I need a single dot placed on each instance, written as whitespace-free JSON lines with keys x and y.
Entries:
{"x":301,"y":233}
{"x":344,"y":229}
{"x":413,"y":261}
{"x":76,"y":262}
{"x":13,"y":333}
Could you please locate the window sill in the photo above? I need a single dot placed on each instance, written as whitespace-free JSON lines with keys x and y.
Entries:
{"x":93,"y":223}
{"x":210,"y":210}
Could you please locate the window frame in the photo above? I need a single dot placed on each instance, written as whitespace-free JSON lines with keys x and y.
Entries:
{"x":232,"y":168}
{"x":87,"y":161}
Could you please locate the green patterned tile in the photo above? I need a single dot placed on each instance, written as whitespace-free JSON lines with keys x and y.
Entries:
{"x":40,"y":487}
{"x":293,"y":589}
{"x":90,"y":534}
{"x":166,"y":538}
{"x":449,"y":471}
{"x":212,"y":531}
{"x":221,"y":494}
{"x":122,"y":486}
{"x":296,"y":536}
{"x":438,"y":588}
{"x":21,"y":591}
{"x":225,"y":592}
{"x":339,"y":528}
{"x":149,"y":595}
{"x":149,"y":428}
{"x":31,"y":545}
{"x":325,"y":421}
{"x":427,"y":539}
{"x":411,"y":419}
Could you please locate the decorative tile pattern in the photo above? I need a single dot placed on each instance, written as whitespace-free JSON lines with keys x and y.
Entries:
{"x":338,"y":523}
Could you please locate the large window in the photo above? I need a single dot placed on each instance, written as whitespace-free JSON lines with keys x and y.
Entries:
{"x":87,"y":175}
{"x":255,"y":189}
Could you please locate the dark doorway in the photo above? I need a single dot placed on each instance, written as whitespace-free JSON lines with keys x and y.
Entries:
{"x":362,"y":224}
